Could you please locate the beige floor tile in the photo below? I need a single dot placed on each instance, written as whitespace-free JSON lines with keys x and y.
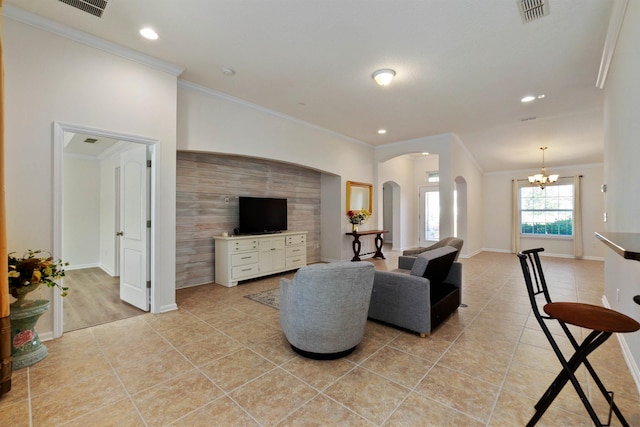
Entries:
{"x":418,"y":410}
{"x":171,"y":320}
{"x":47,"y":376}
{"x":274,"y":347}
{"x":397,"y":366}
{"x":226,"y":340}
{"x":181,"y":336}
{"x":68,"y":402}
{"x":221,"y":412}
{"x":462,"y":392}
{"x":167,"y":402}
{"x":431,"y":348}
{"x":209,"y":347}
{"x":251,"y":331}
{"x":272,"y":396}
{"x":322,"y":411}
{"x":120,"y":414}
{"x":369,"y":395}
{"x":236,"y":369}
{"x":319,"y":374}
{"x":365,"y":349}
{"x":380,"y":332}
{"x":19,"y":388}
{"x":144,"y":347}
{"x":151,"y":371}
{"x":15,"y":414}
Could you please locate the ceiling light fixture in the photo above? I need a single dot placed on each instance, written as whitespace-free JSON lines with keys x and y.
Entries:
{"x":383,"y":77}
{"x":528,"y":98}
{"x":541,"y":178}
{"x":148,"y":33}
{"x":382,"y":131}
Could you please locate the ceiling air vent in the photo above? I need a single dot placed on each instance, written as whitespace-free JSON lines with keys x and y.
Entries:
{"x":91,"y":140}
{"x":533,"y":9}
{"x":94,"y":7}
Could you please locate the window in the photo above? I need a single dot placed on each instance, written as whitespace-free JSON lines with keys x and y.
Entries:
{"x":547,"y":212}
{"x":433,"y":177}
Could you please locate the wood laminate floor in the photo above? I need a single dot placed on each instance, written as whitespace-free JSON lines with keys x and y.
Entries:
{"x":93,"y":299}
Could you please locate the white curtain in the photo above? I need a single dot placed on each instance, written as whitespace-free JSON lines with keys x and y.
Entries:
{"x":577,"y":218}
{"x":515,"y":217}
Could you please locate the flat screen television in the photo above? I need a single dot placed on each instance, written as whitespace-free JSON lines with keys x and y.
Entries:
{"x":260,"y":215}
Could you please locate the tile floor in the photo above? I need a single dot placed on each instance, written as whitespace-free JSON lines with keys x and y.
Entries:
{"x":221,"y":359}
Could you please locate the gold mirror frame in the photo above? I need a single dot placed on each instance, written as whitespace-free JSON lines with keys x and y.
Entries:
{"x":359,"y":196}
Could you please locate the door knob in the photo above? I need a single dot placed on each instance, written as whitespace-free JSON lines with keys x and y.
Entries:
{"x":119,"y":233}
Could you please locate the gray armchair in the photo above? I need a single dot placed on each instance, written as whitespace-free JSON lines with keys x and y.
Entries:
{"x":447,"y":241}
{"x":323,"y":310}
{"x":409,"y":300}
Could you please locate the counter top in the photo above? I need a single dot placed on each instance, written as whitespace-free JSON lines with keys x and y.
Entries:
{"x":627,"y":245}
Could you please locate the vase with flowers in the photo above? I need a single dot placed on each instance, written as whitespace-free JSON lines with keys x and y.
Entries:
{"x":26,"y":274}
{"x":357,"y":218}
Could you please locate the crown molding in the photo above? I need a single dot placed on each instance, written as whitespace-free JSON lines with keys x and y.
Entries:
{"x":615,"y":25}
{"x":36,"y":21}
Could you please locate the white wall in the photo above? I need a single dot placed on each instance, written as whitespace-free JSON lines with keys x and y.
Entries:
{"x":497,"y":213}
{"x":212,"y":122}
{"x":81,"y":217}
{"x":51,"y":78}
{"x":622,"y":174}
{"x":400,"y":170}
{"x":465,"y":167}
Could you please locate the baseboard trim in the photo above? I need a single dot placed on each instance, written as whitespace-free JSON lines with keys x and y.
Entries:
{"x":626,"y":352}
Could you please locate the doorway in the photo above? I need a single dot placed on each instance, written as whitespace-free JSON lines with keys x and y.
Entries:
{"x":92,"y":197}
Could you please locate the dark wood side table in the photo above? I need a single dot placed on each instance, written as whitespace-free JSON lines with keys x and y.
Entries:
{"x":356,"y":245}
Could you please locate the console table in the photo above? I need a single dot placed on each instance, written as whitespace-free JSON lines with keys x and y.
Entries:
{"x":356,"y":243}
{"x":250,"y":256}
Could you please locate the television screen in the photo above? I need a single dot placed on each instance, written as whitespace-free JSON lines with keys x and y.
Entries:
{"x":262,"y":215}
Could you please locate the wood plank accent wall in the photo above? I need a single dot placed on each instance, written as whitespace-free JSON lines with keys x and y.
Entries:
{"x":204,"y":180}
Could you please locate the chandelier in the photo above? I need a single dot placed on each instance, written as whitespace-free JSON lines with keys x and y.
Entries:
{"x":541,"y":178}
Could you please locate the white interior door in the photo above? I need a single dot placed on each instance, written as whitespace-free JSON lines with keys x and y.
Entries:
{"x":134,"y":247}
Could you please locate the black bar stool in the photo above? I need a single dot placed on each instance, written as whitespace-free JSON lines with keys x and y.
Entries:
{"x":600,"y":320}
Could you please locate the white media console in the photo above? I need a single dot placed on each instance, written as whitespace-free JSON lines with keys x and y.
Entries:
{"x":249,"y":256}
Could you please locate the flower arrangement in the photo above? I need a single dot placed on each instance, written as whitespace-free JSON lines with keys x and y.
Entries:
{"x":32,"y":270}
{"x":358,"y":217}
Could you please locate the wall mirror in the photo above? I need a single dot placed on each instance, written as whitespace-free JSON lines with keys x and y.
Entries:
{"x":359,"y":196}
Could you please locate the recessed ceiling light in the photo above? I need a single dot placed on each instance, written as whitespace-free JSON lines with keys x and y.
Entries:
{"x":528,"y":98}
{"x":228,"y":71}
{"x":382,"y":131}
{"x":148,"y":33}
{"x":425,"y":153}
{"x":541,"y":96}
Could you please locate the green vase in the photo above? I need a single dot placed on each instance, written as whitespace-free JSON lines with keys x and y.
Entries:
{"x":26,"y":348}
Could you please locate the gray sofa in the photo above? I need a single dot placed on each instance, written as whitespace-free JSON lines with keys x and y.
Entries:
{"x":407,"y":299}
{"x":323,"y":310}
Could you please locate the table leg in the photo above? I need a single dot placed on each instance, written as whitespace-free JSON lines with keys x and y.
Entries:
{"x":379,"y":242}
{"x":356,"y":248}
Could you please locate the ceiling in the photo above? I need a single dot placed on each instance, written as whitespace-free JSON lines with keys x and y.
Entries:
{"x":461,"y":66}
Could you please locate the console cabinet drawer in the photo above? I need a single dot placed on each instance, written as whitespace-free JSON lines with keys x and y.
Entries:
{"x":295,"y":251}
{"x":297,"y":239}
{"x":294,"y":262}
{"x":244,"y":245}
{"x":244,"y":271}
{"x":244,"y":259}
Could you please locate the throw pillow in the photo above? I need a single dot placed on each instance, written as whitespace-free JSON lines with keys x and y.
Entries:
{"x":434,"y":264}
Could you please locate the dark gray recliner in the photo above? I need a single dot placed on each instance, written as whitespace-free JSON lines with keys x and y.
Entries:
{"x":323,"y":310}
{"x":409,"y":300}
